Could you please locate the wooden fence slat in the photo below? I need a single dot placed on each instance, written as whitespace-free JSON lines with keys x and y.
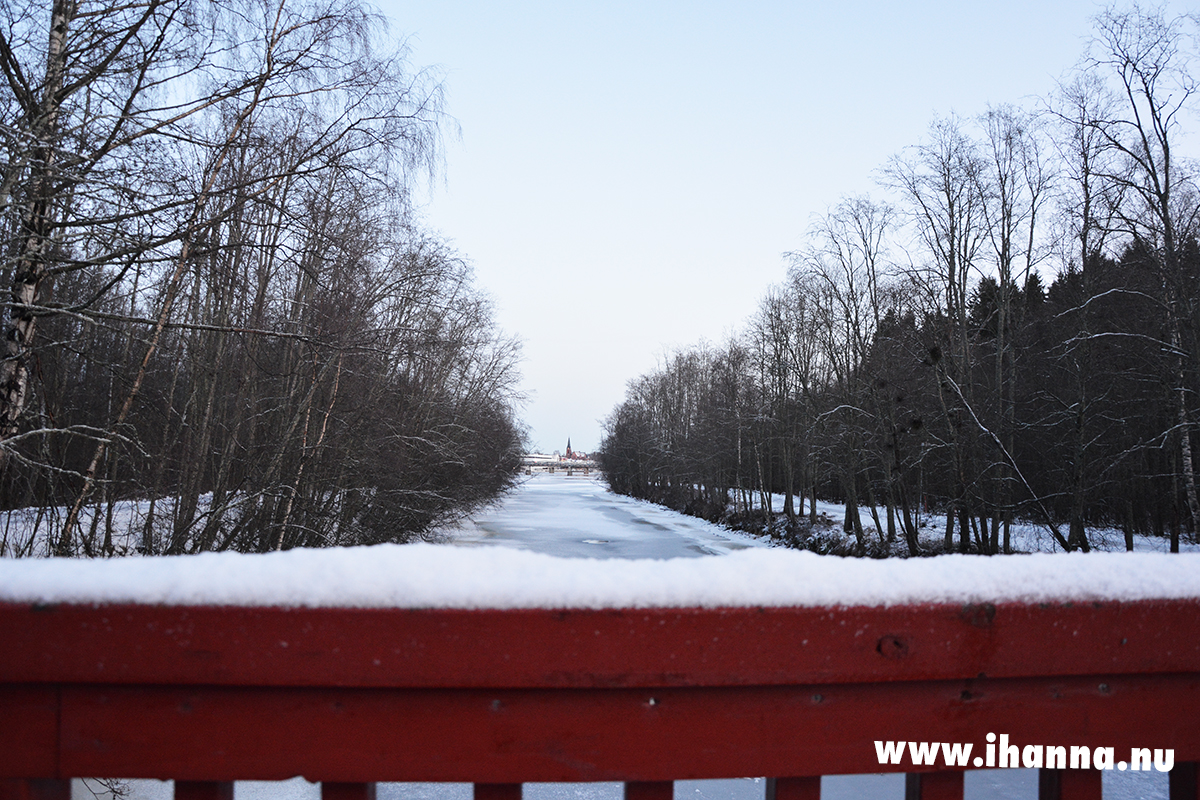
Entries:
{"x":1070,"y":784}
{"x":805,"y":788}
{"x":649,"y":790}
{"x":35,"y":789}
{"x":933,"y":786}
{"x":1048,"y":784}
{"x":1082,"y":784}
{"x":333,"y":790}
{"x":203,"y":790}
{"x":1184,"y":781}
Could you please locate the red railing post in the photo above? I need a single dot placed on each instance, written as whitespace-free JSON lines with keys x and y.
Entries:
{"x":38,"y":789}
{"x":1069,"y":784}
{"x":203,"y":790}
{"x":649,"y":790}
{"x":1184,"y":783}
{"x":497,"y":791}
{"x":347,"y":791}
{"x":807,"y":788}
{"x":933,"y":786}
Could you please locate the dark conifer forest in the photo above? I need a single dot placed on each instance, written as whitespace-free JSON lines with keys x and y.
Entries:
{"x":1011,"y":334}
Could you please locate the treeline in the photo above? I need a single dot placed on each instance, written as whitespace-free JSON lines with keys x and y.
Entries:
{"x":916,"y":360}
{"x":221,"y":303}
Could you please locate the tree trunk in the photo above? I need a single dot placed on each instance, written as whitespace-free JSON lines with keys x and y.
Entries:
{"x":35,"y":241}
{"x":853,"y":522}
{"x":875,"y":512}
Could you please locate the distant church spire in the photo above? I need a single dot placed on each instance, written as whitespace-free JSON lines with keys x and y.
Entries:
{"x":569,"y":453}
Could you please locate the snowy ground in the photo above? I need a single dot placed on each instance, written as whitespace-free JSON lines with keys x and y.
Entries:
{"x":1026,"y":536}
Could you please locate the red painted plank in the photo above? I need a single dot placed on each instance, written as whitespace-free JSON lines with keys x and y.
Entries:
{"x":583,"y":648}
{"x":1184,"y":784}
{"x":514,"y":735}
{"x":203,"y":790}
{"x":649,"y":790}
{"x":1069,"y":784}
{"x":933,"y":786}
{"x":38,"y":789}
{"x":497,"y":791}
{"x":804,"y":788}
{"x":1079,"y":784}
{"x":29,"y":732}
{"x":1049,"y":784}
{"x":347,"y":791}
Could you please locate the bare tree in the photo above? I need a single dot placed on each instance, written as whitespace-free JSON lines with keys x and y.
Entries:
{"x":1016,"y":186}
{"x":1148,"y":58}
{"x":205,"y":212}
{"x":940,"y":182}
{"x":846,"y":267}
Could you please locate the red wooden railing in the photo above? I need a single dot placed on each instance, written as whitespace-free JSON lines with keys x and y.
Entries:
{"x":348,"y":697}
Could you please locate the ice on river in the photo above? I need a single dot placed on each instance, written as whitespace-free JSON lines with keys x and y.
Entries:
{"x":577,"y":517}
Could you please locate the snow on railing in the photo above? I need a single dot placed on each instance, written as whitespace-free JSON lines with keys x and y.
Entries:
{"x":497,"y":667}
{"x":436,"y":576}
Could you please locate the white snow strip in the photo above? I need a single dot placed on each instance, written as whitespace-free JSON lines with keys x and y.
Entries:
{"x":438,"y":576}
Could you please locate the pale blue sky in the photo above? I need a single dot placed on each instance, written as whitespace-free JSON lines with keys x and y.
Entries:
{"x":640,"y":167}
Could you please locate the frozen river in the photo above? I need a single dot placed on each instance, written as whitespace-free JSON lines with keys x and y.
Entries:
{"x":577,"y":517}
